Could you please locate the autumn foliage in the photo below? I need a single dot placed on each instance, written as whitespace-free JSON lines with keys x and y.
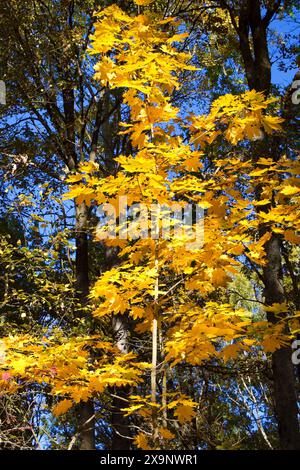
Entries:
{"x":170,"y":291}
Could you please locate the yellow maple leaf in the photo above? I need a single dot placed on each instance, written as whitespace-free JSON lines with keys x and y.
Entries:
{"x":74,"y":178}
{"x":143,"y":2}
{"x":262,"y":202}
{"x":131,"y":409}
{"x":291,"y":236}
{"x":272,"y":123}
{"x":62,"y":407}
{"x":277,"y":308}
{"x":290,"y":190}
{"x":141,"y":442}
{"x":184,"y":413}
{"x":178,"y":37}
{"x":231,"y":351}
{"x":270,"y":344}
{"x":89,"y":167}
{"x":166,"y":433}
{"x":219,"y":277}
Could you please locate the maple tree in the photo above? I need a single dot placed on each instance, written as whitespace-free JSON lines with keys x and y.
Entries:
{"x":170,"y":289}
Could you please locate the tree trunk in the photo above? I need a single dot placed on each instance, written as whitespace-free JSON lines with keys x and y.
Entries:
{"x":86,"y":420}
{"x":120,"y":422}
{"x":257,"y":63}
{"x":86,"y":411}
{"x":285,"y":397}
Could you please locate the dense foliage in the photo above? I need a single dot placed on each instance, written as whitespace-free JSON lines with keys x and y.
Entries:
{"x":125,"y":325}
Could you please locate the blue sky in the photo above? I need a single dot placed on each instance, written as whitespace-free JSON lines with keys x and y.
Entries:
{"x":288,"y":26}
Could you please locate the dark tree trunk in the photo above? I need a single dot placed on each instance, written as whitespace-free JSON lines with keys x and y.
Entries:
{"x":86,"y":411}
{"x":86,"y":419}
{"x":252,"y":33}
{"x":285,"y":397}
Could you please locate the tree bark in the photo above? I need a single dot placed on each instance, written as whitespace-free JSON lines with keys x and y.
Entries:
{"x":285,"y":397}
{"x":120,"y":422}
{"x":252,"y":33}
{"x":86,"y":413}
{"x":86,"y":418}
